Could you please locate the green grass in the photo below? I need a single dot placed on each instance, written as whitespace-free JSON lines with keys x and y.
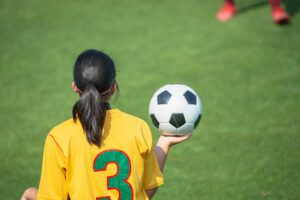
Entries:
{"x":247,"y":72}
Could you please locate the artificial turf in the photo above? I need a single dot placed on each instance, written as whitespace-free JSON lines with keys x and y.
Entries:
{"x":247,"y":72}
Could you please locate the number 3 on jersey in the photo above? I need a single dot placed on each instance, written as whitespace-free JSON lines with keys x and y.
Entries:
{"x":119,"y":180}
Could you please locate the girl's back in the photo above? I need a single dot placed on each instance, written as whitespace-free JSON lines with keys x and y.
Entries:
{"x":122,"y":167}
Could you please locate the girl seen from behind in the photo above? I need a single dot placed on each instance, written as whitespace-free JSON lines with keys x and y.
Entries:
{"x":102,"y":152}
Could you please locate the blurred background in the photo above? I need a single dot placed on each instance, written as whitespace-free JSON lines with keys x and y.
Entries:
{"x":247,"y":72}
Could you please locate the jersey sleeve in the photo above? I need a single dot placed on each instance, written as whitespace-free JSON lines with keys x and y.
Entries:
{"x":152,"y":174}
{"x":53,"y":179}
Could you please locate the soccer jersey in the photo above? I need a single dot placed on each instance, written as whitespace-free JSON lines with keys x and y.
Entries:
{"x":122,"y":168}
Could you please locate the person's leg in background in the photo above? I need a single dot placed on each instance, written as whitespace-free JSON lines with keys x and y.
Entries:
{"x":227,"y":11}
{"x":279,"y":15}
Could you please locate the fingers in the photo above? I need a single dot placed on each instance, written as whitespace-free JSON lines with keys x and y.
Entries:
{"x":174,"y":139}
{"x":183,"y":137}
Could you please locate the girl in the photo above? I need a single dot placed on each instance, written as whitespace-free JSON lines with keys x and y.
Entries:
{"x":101,"y":153}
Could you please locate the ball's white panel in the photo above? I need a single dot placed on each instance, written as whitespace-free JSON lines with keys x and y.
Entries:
{"x":152,"y":104}
{"x":177,"y":103}
{"x":166,"y":127}
{"x":186,"y":128}
{"x":199,"y":103}
{"x":177,"y":89}
{"x":162,"y":113}
{"x":191,"y":113}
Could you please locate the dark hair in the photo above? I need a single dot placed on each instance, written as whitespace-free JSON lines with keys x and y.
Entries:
{"x":94,"y":75}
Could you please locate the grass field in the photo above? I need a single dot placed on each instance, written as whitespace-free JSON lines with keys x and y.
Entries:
{"x":247,"y":72}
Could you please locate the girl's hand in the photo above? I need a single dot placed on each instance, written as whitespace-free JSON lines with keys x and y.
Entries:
{"x":165,"y":142}
{"x":163,"y":146}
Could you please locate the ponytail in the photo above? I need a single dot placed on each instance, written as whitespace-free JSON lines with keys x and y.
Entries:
{"x":91,"y":110}
{"x":94,"y":76}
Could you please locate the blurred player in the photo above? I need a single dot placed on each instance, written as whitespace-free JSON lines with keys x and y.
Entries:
{"x":101,"y":153}
{"x":228,"y":10}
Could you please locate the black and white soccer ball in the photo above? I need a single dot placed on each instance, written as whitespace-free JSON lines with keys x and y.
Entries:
{"x":175,"y":109}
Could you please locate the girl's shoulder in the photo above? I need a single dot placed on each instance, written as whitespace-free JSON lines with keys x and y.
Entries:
{"x":126,"y":117}
{"x":67,"y":127}
{"x":64,"y":133}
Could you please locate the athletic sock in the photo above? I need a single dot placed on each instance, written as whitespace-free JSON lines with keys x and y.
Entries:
{"x":275,"y":4}
{"x":229,"y":2}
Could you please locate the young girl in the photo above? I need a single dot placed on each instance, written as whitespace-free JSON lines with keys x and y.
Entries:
{"x":101,"y":153}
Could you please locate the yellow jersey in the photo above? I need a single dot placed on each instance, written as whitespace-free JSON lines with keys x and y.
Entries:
{"x":122,"y":168}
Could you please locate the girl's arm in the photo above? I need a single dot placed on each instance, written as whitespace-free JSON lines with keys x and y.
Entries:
{"x":162,"y":148}
{"x":53,"y":176}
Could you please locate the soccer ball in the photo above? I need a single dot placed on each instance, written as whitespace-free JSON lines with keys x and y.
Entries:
{"x":175,"y":109}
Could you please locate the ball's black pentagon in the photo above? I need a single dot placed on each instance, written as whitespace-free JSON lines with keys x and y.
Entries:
{"x":164,"y":97}
{"x":177,"y":120}
{"x":190,"y":97}
{"x":197,"y":121}
{"x":154,"y":120}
